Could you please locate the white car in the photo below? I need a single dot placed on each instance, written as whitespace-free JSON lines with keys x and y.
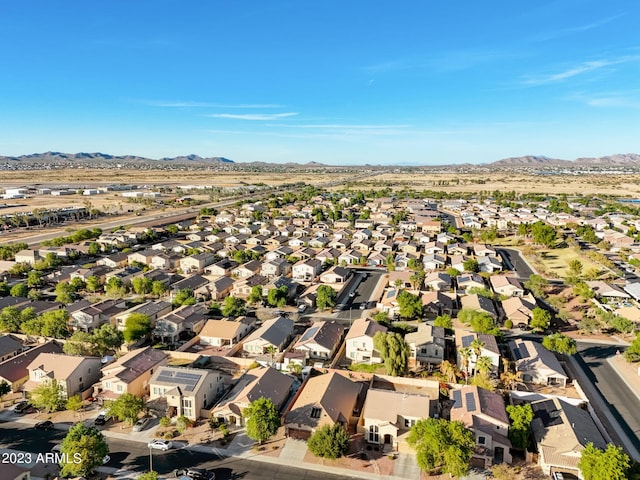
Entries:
{"x":160,"y":445}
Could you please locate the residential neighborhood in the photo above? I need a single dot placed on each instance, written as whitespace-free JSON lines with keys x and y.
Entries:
{"x":342,"y":310}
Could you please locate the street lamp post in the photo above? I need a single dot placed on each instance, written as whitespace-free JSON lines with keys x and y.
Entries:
{"x":150,"y":459}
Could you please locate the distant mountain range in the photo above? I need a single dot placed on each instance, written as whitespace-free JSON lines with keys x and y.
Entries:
{"x":628,"y":159}
{"x":87,"y":159}
{"x":55,"y":157}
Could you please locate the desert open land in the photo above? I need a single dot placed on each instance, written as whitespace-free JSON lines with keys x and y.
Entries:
{"x":583,"y":184}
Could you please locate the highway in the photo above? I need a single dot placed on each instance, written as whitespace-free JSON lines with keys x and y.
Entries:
{"x":134,"y":457}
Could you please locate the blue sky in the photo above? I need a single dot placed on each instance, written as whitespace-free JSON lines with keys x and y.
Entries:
{"x":419,"y":82}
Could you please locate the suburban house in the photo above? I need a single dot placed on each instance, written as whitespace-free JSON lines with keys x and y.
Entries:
{"x":76,"y":374}
{"x":197,"y":263}
{"x":336,"y":274}
{"x":471,"y":280}
{"x":93,"y":316}
{"x":519,"y":309}
{"x":437,"y":281}
{"x":439,"y":303}
{"x":359,"y":341}
{"x":506,"y":285}
{"x":327,"y":399}
{"x":272,"y":333}
{"x":320,"y":340}
{"x":10,"y":346}
{"x":561,"y":432}
{"x":389,"y":413}
{"x":275,"y":268}
{"x":427,"y":345}
{"x":182,"y":323}
{"x":130,"y":373}
{"x":489,"y":264}
{"x":537,"y":364}
{"x":263,"y":382}
{"x":153,"y":310}
{"x":306,"y":270}
{"x":487,"y":347}
{"x":483,"y":412}
{"x":224,"y":333}
{"x":479,"y":304}
{"x":14,"y":370}
{"x":187,"y":391}
{"x":221,"y":268}
{"x":216,"y":289}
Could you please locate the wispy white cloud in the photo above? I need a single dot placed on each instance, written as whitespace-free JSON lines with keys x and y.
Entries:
{"x":580,"y":69}
{"x":622,"y":99}
{"x":577,"y":29}
{"x":340,"y":125}
{"x":252,"y":116}
{"x":190,"y":104}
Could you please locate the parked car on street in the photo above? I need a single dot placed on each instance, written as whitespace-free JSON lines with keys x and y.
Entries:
{"x":22,"y":407}
{"x":196,"y":474}
{"x":158,"y":444}
{"x":46,"y":425}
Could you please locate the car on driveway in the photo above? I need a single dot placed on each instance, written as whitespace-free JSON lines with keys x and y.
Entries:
{"x":141,"y":424}
{"x":158,"y":444}
{"x":22,"y":407}
{"x":102,"y":418}
{"x":196,"y":474}
{"x":46,"y":425}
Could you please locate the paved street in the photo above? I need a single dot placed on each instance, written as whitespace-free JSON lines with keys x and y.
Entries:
{"x":623,"y":403}
{"x":134,"y":457}
{"x":514,"y":261}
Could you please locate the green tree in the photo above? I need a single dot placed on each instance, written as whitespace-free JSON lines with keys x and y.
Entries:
{"x":560,"y":343}
{"x":148,"y":475}
{"x":521,"y":417}
{"x":4,"y":389}
{"x":55,"y":323}
{"x":277,"y":297}
{"x":453,"y":272}
{"x":480,"y":322}
{"x":34,"y":279}
{"x":93,"y":283}
{"x":79,"y":343}
{"x":48,"y":396}
{"x":325,"y":297}
{"x":609,"y":464}
{"x":11,"y":318}
{"x":74,"y":403}
{"x":65,"y":293}
{"x":329,"y":441}
{"x":19,"y":290}
{"x":184,"y":297}
{"x":582,"y":290}
{"x":126,"y":408}
{"x":632,"y":353}
{"x":381,"y":317}
{"x":142,"y":285}
{"x":106,"y":339}
{"x":136,"y":327}
{"x":410,"y":305}
{"x":442,"y":446}
{"x":443,"y":321}
{"x":256,"y":295}
{"x":394,"y":351}
{"x":543,"y":234}
{"x":233,"y":307}
{"x":4,"y":289}
{"x":115,"y":287}
{"x":540,"y":319}
{"x":262,"y":419}
{"x":159,"y":288}
{"x":84,"y":448}
{"x":536,"y":285}
{"x":575,"y":267}
{"x":471,"y":265}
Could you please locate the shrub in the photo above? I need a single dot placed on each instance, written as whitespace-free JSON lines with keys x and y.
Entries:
{"x":508,"y":323}
{"x":168,"y":436}
{"x":165,"y":421}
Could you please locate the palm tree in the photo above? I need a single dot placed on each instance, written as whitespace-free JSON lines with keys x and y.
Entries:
{"x":483,"y":365}
{"x":449,"y":370}
{"x":271,"y":350}
{"x":465,"y":355}
{"x":510,"y":379}
{"x":476,"y":347}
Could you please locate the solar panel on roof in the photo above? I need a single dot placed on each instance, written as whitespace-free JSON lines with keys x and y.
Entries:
{"x":457,"y":398}
{"x":470,"y":399}
{"x":466,"y":340}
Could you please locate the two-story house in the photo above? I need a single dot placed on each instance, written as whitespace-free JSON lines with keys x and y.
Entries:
{"x":359,"y":346}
